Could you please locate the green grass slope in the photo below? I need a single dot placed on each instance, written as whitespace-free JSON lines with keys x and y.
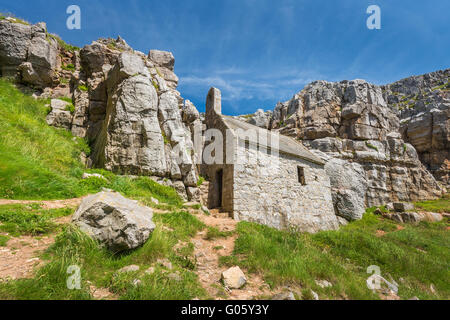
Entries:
{"x":39,"y":162}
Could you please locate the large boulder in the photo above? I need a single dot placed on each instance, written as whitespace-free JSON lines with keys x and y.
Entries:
{"x":118,"y":223}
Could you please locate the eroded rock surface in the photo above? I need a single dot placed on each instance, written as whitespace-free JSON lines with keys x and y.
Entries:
{"x":352,"y":126}
{"x":118,"y":223}
{"x":423,"y":106}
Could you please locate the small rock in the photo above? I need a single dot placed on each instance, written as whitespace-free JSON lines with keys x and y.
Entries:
{"x":132,"y":268}
{"x":234,"y":278}
{"x":342,"y":221}
{"x":155,"y":201}
{"x":150,"y":270}
{"x":165,"y":263}
{"x":414,"y":298}
{"x":93,"y":175}
{"x":137,"y":282}
{"x":205,"y":210}
{"x":403,"y":206}
{"x":378,"y":212}
{"x":323,"y":283}
{"x":315,"y":295}
{"x":284,"y":296}
{"x":174,"y":276}
{"x":390,"y":207}
{"x":432,"y":289}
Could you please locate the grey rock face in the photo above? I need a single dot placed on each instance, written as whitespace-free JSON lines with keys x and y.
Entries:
{"x":162,"y":58}
{"x":423,"y":106}
{"x":351,"y":121}
{"x":131,"y":140}
{"x":118,"y":223}
{"x":402,"y":206}
{"x":260,"y":119}
{"x":349,"y":184}
{"x":138,"y":123}
{"x":59,"y":116}
{"x":28,"y":54}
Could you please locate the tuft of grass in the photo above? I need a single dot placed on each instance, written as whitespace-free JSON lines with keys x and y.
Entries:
{"x":13,"y":18}
{"x":69,"y":67}
{"x":371,"y":146}
{"x":418,"y":254}
{"x":214,"y":233}
{"x":3,"y":240}
{"x":18,"y":220}
{"x":83,"y":88}
{"x":200,"y":181}
{"x":63,"y":44}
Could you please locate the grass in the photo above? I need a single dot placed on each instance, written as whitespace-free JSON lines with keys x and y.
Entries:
{"x":62,"y":43}
{"x":3,"y":240}
{"x":371,"y":146}
{"x":69,"y":67}
{"x":17,"y":220}
{"x":214,"y":233}
{"x":200,"y":181}
{"x":99,"y":266}
{"x":440,"y":205}
{"x":418,"y":254}
{"x":14,"y":19}
{"x":38,"y":162}
{"x":83,"y":88}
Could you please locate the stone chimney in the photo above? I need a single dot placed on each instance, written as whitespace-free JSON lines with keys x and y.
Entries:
{"x":213,"y":102}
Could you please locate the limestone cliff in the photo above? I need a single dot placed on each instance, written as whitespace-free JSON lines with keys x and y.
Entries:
{"x":423,"y":106}
{"x":125,"y":102}
{"x":351,"y":126}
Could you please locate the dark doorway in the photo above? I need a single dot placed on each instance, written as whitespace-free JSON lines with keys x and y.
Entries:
{"x":219,"y":188}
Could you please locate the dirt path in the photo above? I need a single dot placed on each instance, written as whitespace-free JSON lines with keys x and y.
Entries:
{"x":208,"y":252}
{"x":54,"y":204}
{"x":19,"y":258}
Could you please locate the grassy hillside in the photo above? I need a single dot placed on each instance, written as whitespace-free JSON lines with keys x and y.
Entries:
{"x":38,"y":162}
{"x":416,"y":257}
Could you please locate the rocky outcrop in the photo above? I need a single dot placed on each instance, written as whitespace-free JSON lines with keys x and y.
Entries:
{"x":352,"y":127}
{"x":28,"y":53}
{"x":125,"y":102}
{"x":260,"y":118}
{"x":423,"y":105}
{"x":60,"y":115}
{"x":127,"y":106}
{"x":118,"y":223}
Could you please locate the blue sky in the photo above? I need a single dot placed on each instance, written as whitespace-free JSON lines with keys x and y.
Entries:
{"x":260,"y":52}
